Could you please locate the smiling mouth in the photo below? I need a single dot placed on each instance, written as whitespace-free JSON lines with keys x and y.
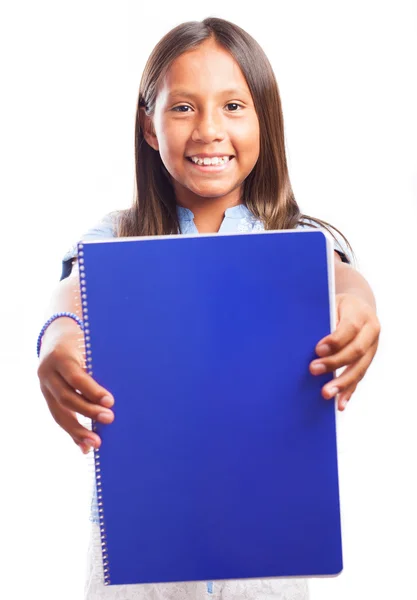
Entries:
{"x":218,"y":164}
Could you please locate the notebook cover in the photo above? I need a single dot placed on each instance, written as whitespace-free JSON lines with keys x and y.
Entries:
{"x":221,"y":461}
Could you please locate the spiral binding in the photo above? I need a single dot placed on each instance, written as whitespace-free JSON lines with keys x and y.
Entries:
{"x":88,"y":365}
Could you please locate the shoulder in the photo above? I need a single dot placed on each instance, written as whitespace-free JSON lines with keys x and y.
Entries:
{"x":104,"y":228}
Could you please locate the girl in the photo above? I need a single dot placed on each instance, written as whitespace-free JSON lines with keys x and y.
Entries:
{"x":210,"y":156}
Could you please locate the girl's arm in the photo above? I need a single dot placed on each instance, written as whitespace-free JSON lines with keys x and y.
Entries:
{"x":350,"y":281}
{"x":66,"y":386}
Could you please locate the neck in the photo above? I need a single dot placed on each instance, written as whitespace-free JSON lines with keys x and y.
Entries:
{"x":208,"y":212}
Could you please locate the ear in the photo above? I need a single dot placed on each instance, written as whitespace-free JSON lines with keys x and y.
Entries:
{"x":147,"y":127}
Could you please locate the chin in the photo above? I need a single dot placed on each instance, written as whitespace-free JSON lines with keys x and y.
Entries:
{"x":213,"y":192}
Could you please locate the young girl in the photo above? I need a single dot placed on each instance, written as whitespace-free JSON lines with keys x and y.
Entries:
{"x":210,"y":157}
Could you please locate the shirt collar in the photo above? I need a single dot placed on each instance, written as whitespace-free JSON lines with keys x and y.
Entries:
{"x":234,"y":212}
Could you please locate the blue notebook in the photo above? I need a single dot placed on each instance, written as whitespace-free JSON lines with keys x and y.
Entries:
{"x":221,"y":462}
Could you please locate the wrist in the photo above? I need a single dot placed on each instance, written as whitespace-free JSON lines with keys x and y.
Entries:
{"x":59,"y":324}
{"x":364,"y":294}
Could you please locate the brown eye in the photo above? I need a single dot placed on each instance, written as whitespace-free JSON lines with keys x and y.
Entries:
{"x":177,"y":108}
{"x":233,"y":104}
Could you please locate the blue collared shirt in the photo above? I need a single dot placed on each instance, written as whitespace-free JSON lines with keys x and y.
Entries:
{"x":237,"y":219}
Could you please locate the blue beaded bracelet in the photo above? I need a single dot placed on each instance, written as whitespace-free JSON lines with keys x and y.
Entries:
{"x":49,"y":321}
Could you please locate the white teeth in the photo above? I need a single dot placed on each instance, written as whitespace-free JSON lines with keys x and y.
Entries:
{"x":216,"y":160}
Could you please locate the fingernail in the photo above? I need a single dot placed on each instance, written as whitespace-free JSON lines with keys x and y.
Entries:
{"x":105,"y":416}
{"x":332,"y":391}
{"x":323,"y":349}
{"x":86,"y":445}
{"x":344,"y":404}
{"x":318,"y":368}
{"x":107,"y":401}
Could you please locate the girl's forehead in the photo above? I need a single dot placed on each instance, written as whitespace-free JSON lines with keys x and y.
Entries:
{"x":207,"y":67}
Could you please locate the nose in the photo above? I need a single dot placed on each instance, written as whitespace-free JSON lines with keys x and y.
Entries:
{"x":209,"y":127}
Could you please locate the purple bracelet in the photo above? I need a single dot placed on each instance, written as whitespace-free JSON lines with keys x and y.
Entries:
{"x":49,"y":321}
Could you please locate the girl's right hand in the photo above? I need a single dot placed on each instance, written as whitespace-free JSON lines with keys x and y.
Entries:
{"x":66,"y":386}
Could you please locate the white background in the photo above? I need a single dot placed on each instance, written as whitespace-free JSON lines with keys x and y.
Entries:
{"x":70,"y":74}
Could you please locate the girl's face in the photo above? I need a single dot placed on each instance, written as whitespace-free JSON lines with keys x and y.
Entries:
{"x":204,"y":109}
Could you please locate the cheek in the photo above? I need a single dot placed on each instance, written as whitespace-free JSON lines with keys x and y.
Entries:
{"x":246,"y":141}
{"x":172,"y":142}
{"x":246,"y":134}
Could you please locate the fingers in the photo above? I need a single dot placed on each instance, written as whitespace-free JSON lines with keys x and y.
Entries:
{"x":350,"y":377}
{"x":67,"y":420}
{"x":355,"y":372}
{"x":349,"y":328}
{"x":78,"y":379}
{"x":344,"y":397}
{"x":76,"y":402}
{"x":351,"y":346}
{"x":346,"y":331}
{"x":68,"y":390}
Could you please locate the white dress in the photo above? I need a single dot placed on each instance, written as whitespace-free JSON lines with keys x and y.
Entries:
{"x":237,"y":219}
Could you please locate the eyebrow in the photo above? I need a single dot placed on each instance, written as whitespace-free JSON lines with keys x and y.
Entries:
{"x":231,"y":92}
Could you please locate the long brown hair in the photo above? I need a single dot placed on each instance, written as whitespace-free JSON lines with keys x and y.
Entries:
{"x":267,"y":190}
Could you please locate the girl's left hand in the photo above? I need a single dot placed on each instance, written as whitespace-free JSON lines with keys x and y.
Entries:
{"x":353,"y":343}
